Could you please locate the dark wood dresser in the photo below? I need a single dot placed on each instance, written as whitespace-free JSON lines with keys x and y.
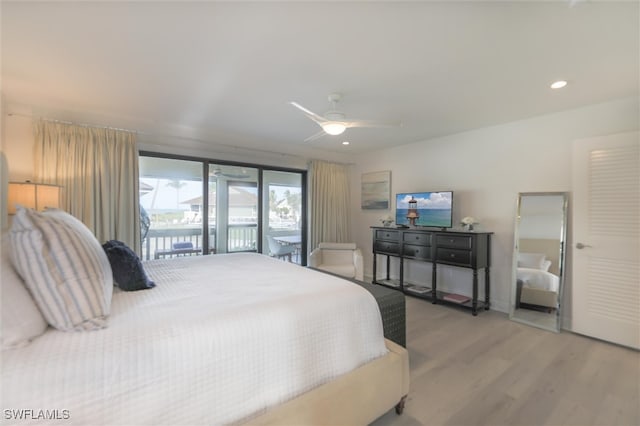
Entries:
{"x":455,"y":248}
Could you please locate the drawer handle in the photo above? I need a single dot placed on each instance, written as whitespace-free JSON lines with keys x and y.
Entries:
{"x":416,"y":252}
{"x":417,"y":237}
{"x":450,"y":241}
{"x":452,"y":255}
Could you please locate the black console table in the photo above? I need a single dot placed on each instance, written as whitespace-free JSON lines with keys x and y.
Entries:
{"x":456,"y":248}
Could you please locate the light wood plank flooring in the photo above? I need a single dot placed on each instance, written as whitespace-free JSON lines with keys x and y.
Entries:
{"x":487,"y":370}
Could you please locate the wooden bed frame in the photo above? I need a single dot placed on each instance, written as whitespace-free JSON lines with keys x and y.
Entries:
{"x":356,"y":398}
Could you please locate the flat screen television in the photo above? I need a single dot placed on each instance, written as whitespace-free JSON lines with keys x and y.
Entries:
{"x":433,"y":209}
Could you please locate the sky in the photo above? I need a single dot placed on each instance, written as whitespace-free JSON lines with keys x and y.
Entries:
{"x":426,"y":200}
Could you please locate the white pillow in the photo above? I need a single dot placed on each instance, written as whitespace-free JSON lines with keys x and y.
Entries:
{"x":22,"y":321}
{"x":531,"y":260}
{"x":64,"y":267}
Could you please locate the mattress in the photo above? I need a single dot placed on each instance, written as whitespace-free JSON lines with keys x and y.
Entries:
{"x":538,"y":279}
{"x":219,"y":340}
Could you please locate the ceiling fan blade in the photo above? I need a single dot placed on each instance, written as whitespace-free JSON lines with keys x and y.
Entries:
{"x":318,"y":135}
{"x":312,"y":115}
{"x":371,"y":123}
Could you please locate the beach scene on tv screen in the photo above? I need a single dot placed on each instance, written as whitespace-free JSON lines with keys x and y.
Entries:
{"x":434,"y":208}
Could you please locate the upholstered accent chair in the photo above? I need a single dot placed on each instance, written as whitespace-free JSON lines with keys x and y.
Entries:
{"x":339,"y":258}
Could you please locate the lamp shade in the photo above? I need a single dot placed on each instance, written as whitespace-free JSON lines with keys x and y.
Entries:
{"x":36,"y":196}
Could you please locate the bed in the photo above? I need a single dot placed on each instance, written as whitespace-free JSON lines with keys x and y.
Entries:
{"x":538,"y":288}
{"x":224,"y":339}
{"x":537,"y":279}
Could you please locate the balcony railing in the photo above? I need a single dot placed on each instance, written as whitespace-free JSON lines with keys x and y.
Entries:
{"x":159,"y":243}
{"x":242,"y":237}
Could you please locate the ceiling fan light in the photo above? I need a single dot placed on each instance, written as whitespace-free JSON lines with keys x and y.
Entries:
{"x":334,"y":128}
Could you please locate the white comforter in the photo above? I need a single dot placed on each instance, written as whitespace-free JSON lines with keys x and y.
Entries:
{"x":220,"y":339}
{"x":541,"y":280}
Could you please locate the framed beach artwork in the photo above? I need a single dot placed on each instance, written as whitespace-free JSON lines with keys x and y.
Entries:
{"x":376,"y":190}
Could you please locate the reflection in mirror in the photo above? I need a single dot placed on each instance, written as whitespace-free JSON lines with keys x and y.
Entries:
{"x":539,"y":259}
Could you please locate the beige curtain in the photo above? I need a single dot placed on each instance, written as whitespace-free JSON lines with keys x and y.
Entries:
{"x":329,"y":201}
{"x":98,"y":170}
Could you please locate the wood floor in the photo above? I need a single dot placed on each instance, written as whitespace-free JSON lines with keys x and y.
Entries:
{"x":487,"y":370}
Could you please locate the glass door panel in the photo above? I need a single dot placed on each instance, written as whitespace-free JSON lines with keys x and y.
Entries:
{"x":233,"y":208}
{"x":282,"y":215}
{"x":170,"y":207}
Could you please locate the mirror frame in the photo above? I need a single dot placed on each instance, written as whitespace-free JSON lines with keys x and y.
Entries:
{"x":561,"y":259}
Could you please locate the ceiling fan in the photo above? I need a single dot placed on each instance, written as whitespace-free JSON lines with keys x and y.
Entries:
{"x":228,"y":172}
{"x":334,"y":122}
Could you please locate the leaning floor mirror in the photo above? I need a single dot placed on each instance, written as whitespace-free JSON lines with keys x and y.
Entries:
{"x":538,"y":270}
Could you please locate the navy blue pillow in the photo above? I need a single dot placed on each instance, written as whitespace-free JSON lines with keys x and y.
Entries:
{"x":128,"y":273}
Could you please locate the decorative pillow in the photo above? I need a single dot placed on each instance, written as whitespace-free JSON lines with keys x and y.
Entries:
{"x":22,"y":321}
{"x":64,"y":267}
{"x":531,"y":260}
{"x":128,"y":273}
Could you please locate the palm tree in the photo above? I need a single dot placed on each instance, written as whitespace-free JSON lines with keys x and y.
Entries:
{"x":177,"y":184}
{"x":155,"y":194}
{"x":294,"y":200}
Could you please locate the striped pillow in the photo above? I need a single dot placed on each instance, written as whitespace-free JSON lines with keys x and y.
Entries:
{"x":64,"y":267}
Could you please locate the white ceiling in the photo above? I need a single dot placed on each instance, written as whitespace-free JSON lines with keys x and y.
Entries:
{"x":223,"y":72}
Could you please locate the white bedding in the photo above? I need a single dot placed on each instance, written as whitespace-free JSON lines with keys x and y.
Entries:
{"x":220,"y":339}
{"x":538,"y":279}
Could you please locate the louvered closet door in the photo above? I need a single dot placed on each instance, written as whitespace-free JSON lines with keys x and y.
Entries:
{"x":606,"y":238}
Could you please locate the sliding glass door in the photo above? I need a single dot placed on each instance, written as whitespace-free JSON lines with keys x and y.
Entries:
{"x":249,"y":208}
{"x":233,"y":202}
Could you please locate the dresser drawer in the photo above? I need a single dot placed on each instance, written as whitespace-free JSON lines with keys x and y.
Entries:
{"x":386,"y":247}
{"x":387,"y":235}
{"x":454,"y":241}
{"x":454,"y":256}
{"x":417,"y":238}
{"x":417,"y":252}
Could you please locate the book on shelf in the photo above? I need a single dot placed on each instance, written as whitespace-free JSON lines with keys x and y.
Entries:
{"x":417,"y":289}
{"x":456,"y":298}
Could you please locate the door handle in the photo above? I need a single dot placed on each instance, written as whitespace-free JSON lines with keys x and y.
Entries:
{"x":580,"y":246}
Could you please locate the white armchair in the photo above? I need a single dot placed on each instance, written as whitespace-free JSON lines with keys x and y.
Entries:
{"x":339,"y":258}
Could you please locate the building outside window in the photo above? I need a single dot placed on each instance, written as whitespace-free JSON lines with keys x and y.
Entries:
{"x":245,"y":205}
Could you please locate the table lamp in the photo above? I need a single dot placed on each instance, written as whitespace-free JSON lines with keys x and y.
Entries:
{"x":38,"y":196}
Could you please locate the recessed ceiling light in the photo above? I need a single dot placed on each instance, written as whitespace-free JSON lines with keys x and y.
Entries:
{"x":558,"y":84}
{"x":345,"y":143}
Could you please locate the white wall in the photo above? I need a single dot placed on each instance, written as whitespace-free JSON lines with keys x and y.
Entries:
{"x":17,"y":145}
{"x":486,"y":169}
{"x":17,"y":141}
{"x":541,"y":226}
